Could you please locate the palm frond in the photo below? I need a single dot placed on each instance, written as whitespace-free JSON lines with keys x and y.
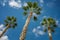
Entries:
{"x":35,"y":18}
{"x":45,"y":30}
{"x":55,"y":25}
{"x":6,"y":21}
{"x":14,"y":19}
{"x":39,"y":9}
{"x":8,"y":18}
{"x":13,"y":26}
{"x":25,"y":13}
{"x":29,"y":4}
{"x":25,"y":8}
{"x":37,"y":12}
{"x":52,"y":30}
{"x":35,"y":5}
{"x":42,"y":23}
{"x":6,"y":24}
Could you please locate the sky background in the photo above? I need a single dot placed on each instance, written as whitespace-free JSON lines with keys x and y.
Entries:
{"x":50,"y":8}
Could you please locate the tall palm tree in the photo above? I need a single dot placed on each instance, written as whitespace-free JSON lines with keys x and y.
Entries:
{"x":10,"y":22}
{"x":30,"y":8}
{"x":50,"y":25}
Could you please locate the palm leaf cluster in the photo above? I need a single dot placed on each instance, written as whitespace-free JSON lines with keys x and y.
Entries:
{"x":51,"y":22}
{"x":11,"y":21}
{"x":32,"y":7}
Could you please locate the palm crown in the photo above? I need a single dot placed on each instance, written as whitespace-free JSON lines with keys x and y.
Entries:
{"x":51,"y":22}
{"x":11,"y":21}
{"x":32,"y":7}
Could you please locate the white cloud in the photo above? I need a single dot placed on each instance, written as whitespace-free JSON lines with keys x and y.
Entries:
{"x":40,"y":32}
{"x":57,"y":21}
{"x":51,"y":4}
{"x":19,"y":1}
{"x":1,"y":27}
{"x":15,"y":4}
{"x":25,"y":4}
{"x":34,"y":30}
{"x":12,"y":3}
{"x":34,"y":14}
{"x":38,"y":27}
{"x":37,"y":31}
{"x":41,"y":1}
{"x":3,"y":2}
{"x":4,"y":37}
{"x":44,"y":16}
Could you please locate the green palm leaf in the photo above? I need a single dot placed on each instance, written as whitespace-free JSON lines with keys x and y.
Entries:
{"x":11,"y":21}
{"x":25,"y":8}
{"x":54,"y":25}
{"x":13,"y":26}
{"x":35,"y":5}
{"x":35,"y":18}
{"x":8,"y":18}
{"x":6,"y":21}
{"x":52,"y":30}
{"x":25,"y":13}
{"x":38,"y":9}
{"x":45,"y":30}
{"x":37,"y":12}
{"x":14,"y":19}
{"x":29,"y":4}
{"x":42,"y":23}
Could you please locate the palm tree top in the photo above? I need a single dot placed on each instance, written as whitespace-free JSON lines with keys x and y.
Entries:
{"x":49,"y":21}
{"x":32,"y":7}
{"x":11,"y":21}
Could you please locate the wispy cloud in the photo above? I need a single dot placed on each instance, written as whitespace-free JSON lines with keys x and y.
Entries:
{"x":4,"y":37}
{"x":15,"y":4}
{"x":12,"y":3}
{"x":50,"y":4}
{"x":3,"y":3}
{"x":25,"y":4}
{"x":34,"y":14}
{"x":1,"y":27}
{"x":41,"y":3}
{"x":38,"y":31}
{"x":57,"y":22}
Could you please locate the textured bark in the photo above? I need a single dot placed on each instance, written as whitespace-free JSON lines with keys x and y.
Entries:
{"x":49,"y":33}
{"x":4,"y":31}
{"x":23,"y":34}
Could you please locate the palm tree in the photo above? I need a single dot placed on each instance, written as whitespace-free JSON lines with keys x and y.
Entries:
{"x":30,"y":8}
{"x":10,"y":22}
{"x":50,"y":25}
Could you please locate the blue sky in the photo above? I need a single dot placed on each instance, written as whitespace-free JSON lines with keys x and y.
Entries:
{"x":50,"y":8}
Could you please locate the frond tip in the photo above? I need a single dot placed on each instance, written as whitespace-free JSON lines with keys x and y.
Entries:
{"x":29,"y":4}
{"x":25,"y":8}
{"x":35,"y":5}
{"x":35,"y":18}
{"x":25,"y":13}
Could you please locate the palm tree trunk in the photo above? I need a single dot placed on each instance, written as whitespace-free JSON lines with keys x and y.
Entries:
{"x":49,"y":33}
{"x":23,"y":34}
{"x":4,"y":31}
